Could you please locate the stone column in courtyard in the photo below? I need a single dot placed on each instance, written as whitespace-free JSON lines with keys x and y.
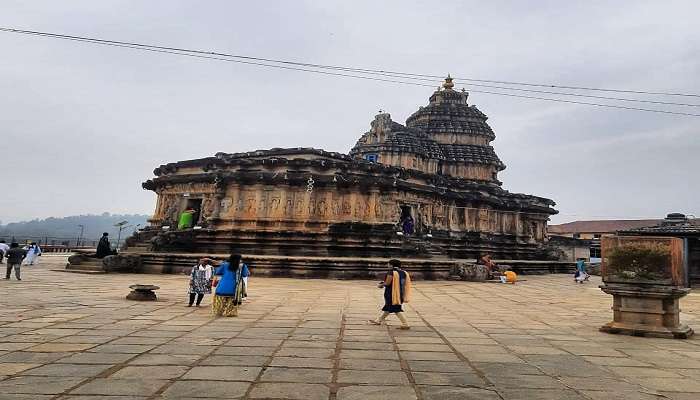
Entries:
{"x":646,"y":277}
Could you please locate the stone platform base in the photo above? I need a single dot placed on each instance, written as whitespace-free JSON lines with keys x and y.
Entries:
{"x":680,"y":332}
{"x":334,"y":267}
{"x":142,"y":293}
{"x":646,"y":310}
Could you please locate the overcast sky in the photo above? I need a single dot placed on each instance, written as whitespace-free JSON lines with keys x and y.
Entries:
{"x":83,"y":125}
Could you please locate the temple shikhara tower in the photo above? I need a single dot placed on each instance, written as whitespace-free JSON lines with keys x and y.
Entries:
{"x":304,"y":211}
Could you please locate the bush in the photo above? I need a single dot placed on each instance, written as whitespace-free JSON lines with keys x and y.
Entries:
{"x":640,"y":261}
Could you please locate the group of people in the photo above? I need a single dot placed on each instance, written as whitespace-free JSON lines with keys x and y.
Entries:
{"x":228,"y":281}
{"x":16,"y":256}
{"x":506,"y":276}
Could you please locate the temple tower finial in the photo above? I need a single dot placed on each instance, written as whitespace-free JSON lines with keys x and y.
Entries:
{"x":448,"y":85}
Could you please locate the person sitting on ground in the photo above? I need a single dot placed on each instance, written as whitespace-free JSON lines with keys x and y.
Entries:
{"x":104,"y":248}
{"x":494,"y":272}
{"x":15,"y":256}
{"x":200,"y":281}
{"x":229,"y":288}
{"x":397,"y":290}
{"x":509,"y":277}
{"x":486,"y":260}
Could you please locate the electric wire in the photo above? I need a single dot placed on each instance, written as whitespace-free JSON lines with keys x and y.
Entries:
{"x":364,"y":70}
{"x":267,"y":63}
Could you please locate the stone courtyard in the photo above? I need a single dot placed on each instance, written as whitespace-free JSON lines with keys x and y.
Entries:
{"x":74,"y":336}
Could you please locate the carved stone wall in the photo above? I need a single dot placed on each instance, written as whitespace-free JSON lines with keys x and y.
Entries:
{"x":271,"y":207}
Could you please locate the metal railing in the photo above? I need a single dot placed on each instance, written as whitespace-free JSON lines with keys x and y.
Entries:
{"x":45,"y":240}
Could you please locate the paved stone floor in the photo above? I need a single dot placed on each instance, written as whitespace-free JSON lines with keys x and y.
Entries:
{"x":74,"y":336}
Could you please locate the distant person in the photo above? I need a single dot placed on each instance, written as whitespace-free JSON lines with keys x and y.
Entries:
{"x":104,"y":248}
{"x":15,"y":256}
{"x":581,"y":275}
{"x":408,"y":225}
{"x":245,"y":273}
{"x":229,"y":288}
{"x":3,"y":249}
{"x":397,"y":290}
{"x":488,"y":262}
{"x":186,"y":219}
{"x":509,"y":277}
{"x":200,"y":281}
{"x":494,"y":271}
{"x":33,"y":254}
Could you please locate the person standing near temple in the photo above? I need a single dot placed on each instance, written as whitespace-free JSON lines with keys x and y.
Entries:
{"x":33,"y":253}
{"x":3,"y":249}
{"x":245,"y":273}
{"x":200,"y":281}
{"x":104,"y":248}
{"x":15,"y":255}
{"x":186,"y":219}
{"x":397,"y":290}
{"x":408,"y":225}
{"x":229,"y":287}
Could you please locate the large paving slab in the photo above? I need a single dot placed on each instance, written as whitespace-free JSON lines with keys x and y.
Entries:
{"x":74,"y":336}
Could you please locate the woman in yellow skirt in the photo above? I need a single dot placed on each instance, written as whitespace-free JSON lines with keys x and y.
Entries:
{"x":229,"y":287}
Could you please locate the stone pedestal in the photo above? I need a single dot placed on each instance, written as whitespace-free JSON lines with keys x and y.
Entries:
{"x":646,"y":310}
{"x":142,"y":293}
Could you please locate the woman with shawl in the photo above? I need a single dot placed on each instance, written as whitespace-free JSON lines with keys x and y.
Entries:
{"x":104,"y":248}
{"x":229,"y":288}
{"x":397,"y":290}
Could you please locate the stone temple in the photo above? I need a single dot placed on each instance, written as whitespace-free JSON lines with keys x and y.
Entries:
{"x":309,"y":212}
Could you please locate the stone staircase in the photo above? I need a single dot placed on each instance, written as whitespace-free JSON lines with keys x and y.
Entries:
{"x":417,"y":245}
{"x":84,"y":265}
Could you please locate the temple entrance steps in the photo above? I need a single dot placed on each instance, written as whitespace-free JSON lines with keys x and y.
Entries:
{"x":85,"y":265}
{"x":417,"y":245}
{"x":337,"y":267}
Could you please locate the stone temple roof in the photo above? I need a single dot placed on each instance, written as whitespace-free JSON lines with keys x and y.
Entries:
{"x":675,"y":224}
{"x":448,"y":112}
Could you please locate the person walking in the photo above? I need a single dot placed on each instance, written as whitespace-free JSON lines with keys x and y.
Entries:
{"x":397,"y":290}
{"x":33,"y":253}
{"x":15,"y":255}
{"x":581,"y":275}
{"x":3,"y":249}
{"x":229,"y":287}
{"x":200,"y":281}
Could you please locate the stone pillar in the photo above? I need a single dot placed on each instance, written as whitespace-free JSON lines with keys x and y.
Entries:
{"x":646,"y":311}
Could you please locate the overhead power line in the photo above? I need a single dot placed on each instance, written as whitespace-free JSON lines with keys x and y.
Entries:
{"x":305,"y":67}
{"x":364,"y":70}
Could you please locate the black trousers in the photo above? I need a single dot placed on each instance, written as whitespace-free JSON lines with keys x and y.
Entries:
{"x":200,"y":296}
{"x":9,"y":270}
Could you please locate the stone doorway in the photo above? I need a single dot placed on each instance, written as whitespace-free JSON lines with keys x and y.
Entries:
{"x":407,"y":221}
{"x":196,"y":205}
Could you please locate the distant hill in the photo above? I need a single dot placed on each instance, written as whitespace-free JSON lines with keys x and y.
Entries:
{"x":67,"y":228}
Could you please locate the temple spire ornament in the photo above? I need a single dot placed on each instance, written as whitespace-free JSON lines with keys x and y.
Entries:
{"x":448,"y":85}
